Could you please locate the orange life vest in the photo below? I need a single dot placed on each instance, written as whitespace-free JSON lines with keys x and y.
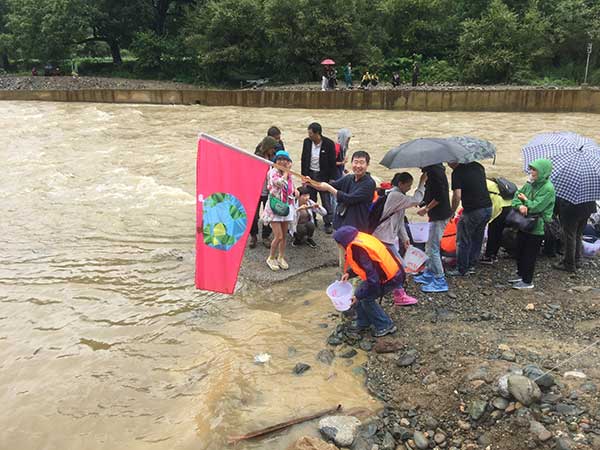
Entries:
{"x":378,"y":253}
{"x":448,"y":243}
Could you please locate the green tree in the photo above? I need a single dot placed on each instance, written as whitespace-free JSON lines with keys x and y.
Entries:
{"x":115,"y":22}
{"x":487,"y":47}
{"x":6,"y":39}
{"x":47,"y":29}
{"x":228,"y":38}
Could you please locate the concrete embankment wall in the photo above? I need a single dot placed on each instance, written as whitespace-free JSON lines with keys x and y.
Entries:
{"x":505,"y":100}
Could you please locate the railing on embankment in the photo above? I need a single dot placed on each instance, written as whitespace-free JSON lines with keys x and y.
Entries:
{"x":473,"y":99}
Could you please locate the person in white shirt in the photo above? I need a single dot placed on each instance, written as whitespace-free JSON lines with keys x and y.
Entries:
{"x":392,"y":225}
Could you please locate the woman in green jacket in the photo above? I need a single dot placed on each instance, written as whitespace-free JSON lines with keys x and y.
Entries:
{"x":535,"y":197}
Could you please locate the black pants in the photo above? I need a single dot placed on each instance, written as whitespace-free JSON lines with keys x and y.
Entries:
{"x":495,"y":230}
{"x":304,"y":230}
{"x":528,"y":248}
{"x":266,"y":229}
{"x":573,"y":227}
{"x":325,"y":199}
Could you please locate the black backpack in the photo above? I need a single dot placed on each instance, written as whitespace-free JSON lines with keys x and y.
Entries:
{"x":506,"y":187}
{"x":375,"y":212}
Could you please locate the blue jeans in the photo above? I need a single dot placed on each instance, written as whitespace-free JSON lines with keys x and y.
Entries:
{"x":368,"y":310}
{"x":469,"y":237}
{"x":432,"y":248}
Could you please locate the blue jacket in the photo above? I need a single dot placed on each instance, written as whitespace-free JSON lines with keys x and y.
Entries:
{"x":354,"y":200}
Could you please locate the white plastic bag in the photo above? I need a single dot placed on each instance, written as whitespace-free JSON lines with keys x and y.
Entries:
{"x":414,"y":259}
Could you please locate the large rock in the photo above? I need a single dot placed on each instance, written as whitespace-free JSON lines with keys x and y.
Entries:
{"x":341,"y":429}
{"x":523,"y":389}
{"x":311,"y":443}
{"x":540,"y":377}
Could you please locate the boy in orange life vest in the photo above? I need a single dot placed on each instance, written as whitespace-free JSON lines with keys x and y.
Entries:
{"x":380,"y":272}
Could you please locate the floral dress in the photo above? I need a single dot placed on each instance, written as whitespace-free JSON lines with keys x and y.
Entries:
{"x":281,"y":187}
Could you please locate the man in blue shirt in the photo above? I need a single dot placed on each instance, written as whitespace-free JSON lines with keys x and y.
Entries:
{"x":354,"y":193}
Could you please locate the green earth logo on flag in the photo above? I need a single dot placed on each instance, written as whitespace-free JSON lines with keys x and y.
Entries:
{"x":224,"y":220}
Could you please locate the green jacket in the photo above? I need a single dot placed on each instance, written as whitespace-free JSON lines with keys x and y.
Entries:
{"x":540,"y":195}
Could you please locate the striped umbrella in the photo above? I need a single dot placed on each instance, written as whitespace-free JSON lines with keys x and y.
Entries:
{"x":575,"y":164}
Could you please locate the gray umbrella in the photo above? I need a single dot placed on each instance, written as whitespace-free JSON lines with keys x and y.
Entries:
{"x":425,"y":152}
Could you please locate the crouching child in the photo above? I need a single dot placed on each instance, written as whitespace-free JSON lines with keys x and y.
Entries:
{"x":381,"y":273}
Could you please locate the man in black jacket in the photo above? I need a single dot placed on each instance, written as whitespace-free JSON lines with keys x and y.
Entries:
{"x":319,"y":163}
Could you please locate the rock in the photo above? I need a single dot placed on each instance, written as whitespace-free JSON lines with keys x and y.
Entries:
{"x":300,"y":368}
{"x":349,"y":354}
{"x":484,"y":440}
{"x":323,"y":325}
{"x":575,"y":374}
{"x":359,"y":372}
{"x":583,"y":289}
{"x":341,"y":429}
{"x":292,"y":351}
{"x":405,"y":422}
{"x":452,"y":295}
{"x":540,"y":377}
{"x":408,"y":358}
{"x":334,"y":340}
{"x":368,"y":430}
{"x":539,"y":431}
{"x":523,"y":389}
{"x":464,"y":425}
{"x":439,"y":438}
{"x":430,"y":422}
{"x":551,"y":397}
{"x":388,"y":442}
{"x":502,"y":386}
{"x":365,"y":345}
{"x":564,"y":409}
{"x":420,"y":440}
{"x":362,"y":443}
{"x":432,"y":378}
{"x":508,"y":356}
{"x":401,"y":433}
{"x":589,"y":387}
{"x":564,"y":443}
{"x":325,"y":356}
{"x":530,"y":307}
{"x":510,"y":408}
{"x":500,"y":403}
{"x":311,"y":443}
{"x":387,"y":346}
{"x":477,"y":409}
{"x":481,"y":373}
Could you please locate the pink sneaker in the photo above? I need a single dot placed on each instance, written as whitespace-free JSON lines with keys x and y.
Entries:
{"x":401,"y":298}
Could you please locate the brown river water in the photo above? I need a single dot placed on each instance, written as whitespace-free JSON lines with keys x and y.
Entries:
{"x":104,"y":342}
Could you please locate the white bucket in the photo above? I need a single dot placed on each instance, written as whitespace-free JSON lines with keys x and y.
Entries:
{"x":419,"y":231}
{"x":414,"y":259}
{"x":340,"y":293}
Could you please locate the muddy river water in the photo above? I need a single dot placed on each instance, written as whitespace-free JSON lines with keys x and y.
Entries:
{"x":104,"y":342}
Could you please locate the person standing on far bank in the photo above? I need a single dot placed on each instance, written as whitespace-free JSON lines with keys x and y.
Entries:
{"x":319,"y":163}
{"x":348,"y":76}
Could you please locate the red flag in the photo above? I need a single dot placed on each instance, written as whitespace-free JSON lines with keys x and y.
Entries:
{"x":228,"y":186}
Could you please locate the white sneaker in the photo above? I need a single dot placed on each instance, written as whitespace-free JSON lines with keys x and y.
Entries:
{"x":522,"y":285}
{"x":282,"y":263}
{"x":515,"y":280}
{"x":272,"y":263}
